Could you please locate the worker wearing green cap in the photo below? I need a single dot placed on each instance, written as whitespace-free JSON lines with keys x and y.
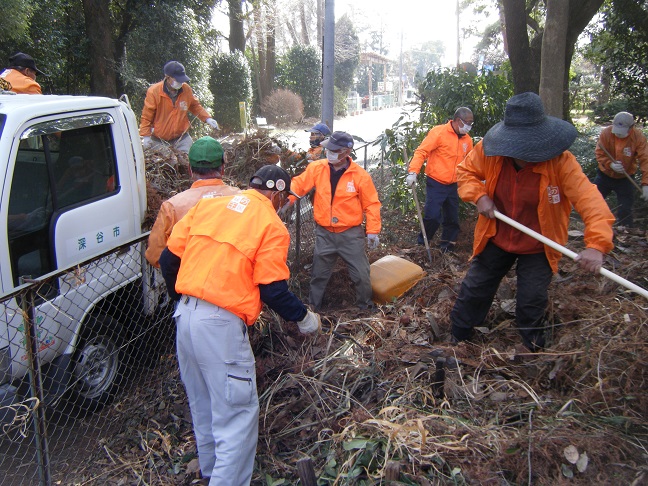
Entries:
{"x":206,"y":162}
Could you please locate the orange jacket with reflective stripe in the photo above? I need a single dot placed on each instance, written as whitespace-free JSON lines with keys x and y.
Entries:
{"x":441,"y":151}
{"x":562,"y":184}
{"x":627,"y":150}
{"x":20,"y":83}
{"x":228,"y":246}
{"x":168,"y":120}
{"x":355,"y":197}
{"x":172,"y":211}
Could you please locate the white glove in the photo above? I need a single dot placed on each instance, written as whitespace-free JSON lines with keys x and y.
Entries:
{"x":146,"y":143}
{"x":212,"y":123}
{"x":617,"y":167}
{"x":310,"y":323}
{"x":372,"y":242}
{"x":644,"y":190}
{"x":410,"y":180}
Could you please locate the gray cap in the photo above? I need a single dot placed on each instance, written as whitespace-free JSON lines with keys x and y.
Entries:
{"x":622,"y":123}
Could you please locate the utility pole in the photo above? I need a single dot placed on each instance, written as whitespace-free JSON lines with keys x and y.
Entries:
{"x":328,"y":59}
{"x":458,"y":41}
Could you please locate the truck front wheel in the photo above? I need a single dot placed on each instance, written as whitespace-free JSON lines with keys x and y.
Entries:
{"x":97,"y":366}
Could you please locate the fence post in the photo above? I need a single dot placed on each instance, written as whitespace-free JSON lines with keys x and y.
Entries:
{"x":36,"y":384}
{"x":365,"y":156}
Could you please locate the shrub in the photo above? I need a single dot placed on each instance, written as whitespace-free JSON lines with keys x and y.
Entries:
{"x":283,"y":106}
{"x":230,"y":83}
{"x":299,"y":70}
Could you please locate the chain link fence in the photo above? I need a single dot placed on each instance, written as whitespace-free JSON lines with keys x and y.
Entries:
{"x":75,"y":344}
{"x":72,"y":342}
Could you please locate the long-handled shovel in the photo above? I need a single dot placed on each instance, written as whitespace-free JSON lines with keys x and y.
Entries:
{"x":418,"y":212}
{"x":624,"y":172}
{"x":567,"y":252}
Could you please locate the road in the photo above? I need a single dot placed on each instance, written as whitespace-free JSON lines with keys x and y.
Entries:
{"x":367,"y":126}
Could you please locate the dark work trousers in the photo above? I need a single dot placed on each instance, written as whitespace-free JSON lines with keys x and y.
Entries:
{"x":480,"y":285}
{"x":348,"y":245}
{"x":624,"y":190}
{"x":441,"y":208}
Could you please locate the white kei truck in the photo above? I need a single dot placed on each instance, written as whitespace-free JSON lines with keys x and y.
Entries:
{"x":73,"y":187}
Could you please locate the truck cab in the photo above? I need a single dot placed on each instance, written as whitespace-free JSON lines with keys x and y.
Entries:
{"x":72,"y":187}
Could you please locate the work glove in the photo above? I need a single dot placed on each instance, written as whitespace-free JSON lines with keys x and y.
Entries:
{"x":310,"y":323}
{"x":212,"y":123}
{"x":372,"y":242}
{"x":644,"y":191}
{"x":410,"y":180}
{"x":617,"y":167}
{"x":146,"y":143}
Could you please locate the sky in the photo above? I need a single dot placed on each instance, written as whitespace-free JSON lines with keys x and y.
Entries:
{"x":417,"y":21}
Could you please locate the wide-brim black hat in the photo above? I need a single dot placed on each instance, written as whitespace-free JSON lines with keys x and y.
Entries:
{"x":527,"y":133}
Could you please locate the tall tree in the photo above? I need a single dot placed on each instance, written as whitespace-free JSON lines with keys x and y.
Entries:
{"x":526,"y":53}
{"x":103,"y":80}
{"x":237,"y":33}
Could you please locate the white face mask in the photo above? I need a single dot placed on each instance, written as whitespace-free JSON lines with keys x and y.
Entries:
{"x":175,"y":84}
{"x":333,"y":157}
{"x":464,"y":130}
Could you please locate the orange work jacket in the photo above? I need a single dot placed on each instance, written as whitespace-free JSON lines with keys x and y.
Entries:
{"x":627,"y":150}
{"x":562,"y":184}
{"x":355,"y":197}
{"x":441,"y":150}
{"x":20,"y":83}
{"x":164,"y":118}
{"x":173,"y":209}
{"x":228,"y":246}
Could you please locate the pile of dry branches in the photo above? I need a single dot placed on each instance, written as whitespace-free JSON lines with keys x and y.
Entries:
{"x":382,"y":396}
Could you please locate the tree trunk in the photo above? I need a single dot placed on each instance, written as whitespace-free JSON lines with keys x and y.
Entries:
{"x":237,"y":35}
{"x":320,"y":23}
{"x":304,"y":25}
{"x":552,"y":64}
{"x":523,"y":66}
{"x":103,"y":68}
{"x":271,"y":58}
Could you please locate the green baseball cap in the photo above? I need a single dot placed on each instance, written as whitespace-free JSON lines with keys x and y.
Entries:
{"x":206,"y":152}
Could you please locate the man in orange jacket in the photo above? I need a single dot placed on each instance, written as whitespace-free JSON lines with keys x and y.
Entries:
{"x":627,"y":144}
{"x":21,"y":74}
{"x":522,"y":168}
{"x":206,"y":165}
{"x":224,"y":258}
{"x":441,"y":151}
{"x":164,"y":118}
{"x":344,"y":196}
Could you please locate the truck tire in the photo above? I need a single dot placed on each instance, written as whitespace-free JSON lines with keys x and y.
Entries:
{"x":97,"y":365}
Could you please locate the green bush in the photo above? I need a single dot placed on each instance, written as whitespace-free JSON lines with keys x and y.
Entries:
{"x":442,"y":92}
{"x":230,"y":83}
{"x":339,"y":102}
{"x":299,"y":71}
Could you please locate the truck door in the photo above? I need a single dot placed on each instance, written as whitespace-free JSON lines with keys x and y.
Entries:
{"x":69,"y":199}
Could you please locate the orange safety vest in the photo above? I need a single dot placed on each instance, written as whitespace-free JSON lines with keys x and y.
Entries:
{"x":228,"y":246}
{"x":166,"y":119}
{"x":441,"y":151}
{"x":562,"y":184}
{"x":355,"y":197}
{"x":172,"y":211}
{"x":627,"y":150}
{"x":20,"y":83}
